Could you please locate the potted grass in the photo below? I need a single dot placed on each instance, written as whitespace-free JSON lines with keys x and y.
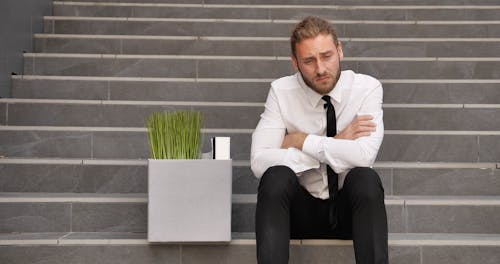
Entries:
{"x":189,"y":199}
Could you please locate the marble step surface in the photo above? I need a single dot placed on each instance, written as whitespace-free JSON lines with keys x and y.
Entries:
{"x":314,"y":2}
{"x":260,"y":46}
{"x":408,"y":91}
{"x":230,"y":115}
{"x":346,"y":12}
{"x":131,"y":143}
{"x":71,"y":212}
{"x":133,"y":248}
{"x":269,"y":67}
{"x":130,"y":176}
{"x":265,"y":27}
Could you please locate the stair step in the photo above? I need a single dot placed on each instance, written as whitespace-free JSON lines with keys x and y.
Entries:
{"x":164,"y":10}
{"x":130,"y":176}
{"x":309,"y":2}
{"x":264,"y":27}
{"x":131,"y":143}
{"x":239,"y":238}
{"x":233,"y":90}
{"x":250,"y":67}
{"x":53,"y":212}
{"x":258,"y":46}
{"x":133,"y":248}
{"x":241,"y":115}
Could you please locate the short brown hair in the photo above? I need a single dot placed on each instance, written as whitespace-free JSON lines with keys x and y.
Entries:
{"x":311,"y":27}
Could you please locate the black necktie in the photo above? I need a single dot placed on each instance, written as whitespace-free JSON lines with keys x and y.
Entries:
{"x":333,"y":185}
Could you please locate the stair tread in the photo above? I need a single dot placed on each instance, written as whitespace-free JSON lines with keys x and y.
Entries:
{"x":239,"y":163}
{"x":272,"y":21}
{"x":119,"y":238}
{"x":16,"y":197}
{"x":275,"y":6}
{"x":211,"y":80}
{"x":188,"y":103}
{"x":245,"y":57}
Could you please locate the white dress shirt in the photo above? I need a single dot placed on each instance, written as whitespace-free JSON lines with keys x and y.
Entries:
{"x":292,"y":106}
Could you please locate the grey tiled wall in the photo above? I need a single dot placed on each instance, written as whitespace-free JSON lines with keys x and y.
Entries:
{"x":19,"y":20}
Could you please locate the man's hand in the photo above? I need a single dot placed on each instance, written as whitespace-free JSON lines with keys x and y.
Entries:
{"x":294,"y":140}
{"x":361,"y":126}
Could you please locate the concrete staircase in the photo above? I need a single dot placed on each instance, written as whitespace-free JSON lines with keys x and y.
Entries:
{"x":73,"y":176}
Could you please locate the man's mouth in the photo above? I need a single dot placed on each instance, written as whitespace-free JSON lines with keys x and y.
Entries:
{"x":322,"y":78}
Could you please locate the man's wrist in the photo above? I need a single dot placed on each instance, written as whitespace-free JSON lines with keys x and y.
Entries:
{"x":312,"y":145}
{"x":301,"y":139}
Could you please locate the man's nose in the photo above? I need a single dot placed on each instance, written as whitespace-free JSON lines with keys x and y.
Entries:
{"x":320,"y":68}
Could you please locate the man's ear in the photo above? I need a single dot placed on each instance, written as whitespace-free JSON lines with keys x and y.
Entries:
{"x":339,"y":50}
{"x":295,"y":63}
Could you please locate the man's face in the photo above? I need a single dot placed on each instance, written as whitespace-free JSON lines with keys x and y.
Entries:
{"x":318,"y":61}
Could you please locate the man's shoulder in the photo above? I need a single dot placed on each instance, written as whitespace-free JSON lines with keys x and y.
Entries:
{"x":285,"y":83}
{"x":363,"y":79}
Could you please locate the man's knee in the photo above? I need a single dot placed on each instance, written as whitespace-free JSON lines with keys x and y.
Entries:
{"x":276,"y":181}
{"x":364,"y":183}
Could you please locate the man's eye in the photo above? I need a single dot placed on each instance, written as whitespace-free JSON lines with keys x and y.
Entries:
{"x":307,"y":61}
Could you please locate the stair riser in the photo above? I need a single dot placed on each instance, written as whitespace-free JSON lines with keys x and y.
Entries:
{"x":344,"y":2}
{"x":143,"y":91}
{"x":132,"y":217}
{"x":394,"y":93}
{"x":209,"y":68}
{"x":285,"y":13}
{"x":244,"y":254}
{"x":395,"y":118}
{"x":263,"y":48}
{"x":73,"y":178}
{"x":50,"y":178}
{"x":312,"y":2}
{"x":133,"y":145}
{"x":170,"y":12}
{"x":262,"y":29}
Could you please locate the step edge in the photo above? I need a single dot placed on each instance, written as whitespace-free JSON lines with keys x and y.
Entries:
{"x":395,"y":239}
{"x":246,"y":163}
{"x":279,"y":6}
{"x":242,"y":38}
{"x":257,"y":58}
{"x":237,"y":130}
{"x":272,"y":21}
{"x":215,"y":103}
{"x":225,"y":80}
{"x":403,"y":200}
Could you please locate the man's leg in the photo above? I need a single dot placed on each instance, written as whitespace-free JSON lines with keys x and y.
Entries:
{"x":364,"y":194}
{"x":284,"y":209}
{"x":277,"y":187}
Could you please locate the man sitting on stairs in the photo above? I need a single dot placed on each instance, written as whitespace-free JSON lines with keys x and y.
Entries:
{"x":312,"y":149}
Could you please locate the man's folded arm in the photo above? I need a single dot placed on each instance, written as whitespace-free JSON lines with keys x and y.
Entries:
{"x":267,"y":139}
{"x":342,"y":154}
{"x":266,"y":154}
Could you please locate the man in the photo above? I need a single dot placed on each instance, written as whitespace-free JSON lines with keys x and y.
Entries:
{"x":318,"y":136}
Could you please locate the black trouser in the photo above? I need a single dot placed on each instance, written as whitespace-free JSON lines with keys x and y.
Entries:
{"x":286,"y":210}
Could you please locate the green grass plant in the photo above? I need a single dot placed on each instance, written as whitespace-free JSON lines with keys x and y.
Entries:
{"x":175,"y":135}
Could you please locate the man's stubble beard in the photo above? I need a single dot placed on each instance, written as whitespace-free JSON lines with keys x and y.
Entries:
{"x":316,"y":89}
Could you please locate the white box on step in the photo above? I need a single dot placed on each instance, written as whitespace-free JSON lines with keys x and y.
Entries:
{"x":189,"y":200}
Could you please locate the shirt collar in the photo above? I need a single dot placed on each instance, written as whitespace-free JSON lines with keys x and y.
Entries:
{"x":315,"y":98}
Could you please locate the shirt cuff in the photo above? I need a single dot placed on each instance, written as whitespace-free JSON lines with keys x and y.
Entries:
{"x":313,"y":146}
{"x":299,"y":161}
